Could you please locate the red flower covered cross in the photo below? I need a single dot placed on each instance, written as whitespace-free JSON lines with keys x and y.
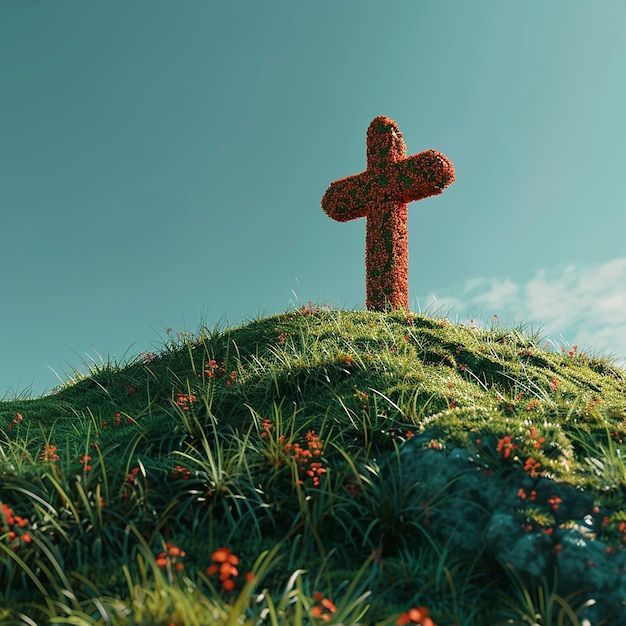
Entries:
{"x":381,"y":194}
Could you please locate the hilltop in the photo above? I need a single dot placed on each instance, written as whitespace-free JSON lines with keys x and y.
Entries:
{"x":355,"y":464}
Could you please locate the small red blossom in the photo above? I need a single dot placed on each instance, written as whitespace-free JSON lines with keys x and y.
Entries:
{"x":129,"y":483}
{"x":211,"y":368}
{"x":532,"y":496}
{"x":184,"y":400}
{"x":593,"y":404}
{"x":307,"y":459}
{"x":14,"y":528}
{"x":554,"y":502}
{"x":532,"y":466}
{"x":148,"y":357}
{"x":505,"y":446}
{"x":225,"y":563}
{"x":84,"y":461}
{"x":181,"y":473}
{"x":49,"y":454}
{"x":16,"y":420}
{"x":214,"y":370}
{"x":323,"y":608}
{"x":266,"y":427}
{"x":171,"y":557}
{"x":415,"y":616}
{"x":533,"y":434}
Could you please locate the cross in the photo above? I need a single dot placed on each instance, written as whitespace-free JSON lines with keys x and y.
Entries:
{"x":381,"y":194}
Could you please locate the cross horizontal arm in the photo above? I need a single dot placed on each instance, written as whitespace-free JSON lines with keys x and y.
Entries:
{"x":347,"y":198}
{"x":420,"y":176}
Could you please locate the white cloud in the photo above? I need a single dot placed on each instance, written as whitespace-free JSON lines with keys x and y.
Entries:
{"x":585,"y":305}
{"x":438,"y":307}
{"x":499,"y":293}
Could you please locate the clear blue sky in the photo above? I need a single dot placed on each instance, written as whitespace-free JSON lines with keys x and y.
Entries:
{"x":162,"y":163}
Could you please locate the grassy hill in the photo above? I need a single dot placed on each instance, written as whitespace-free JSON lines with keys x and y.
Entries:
{"x":320,"y":466}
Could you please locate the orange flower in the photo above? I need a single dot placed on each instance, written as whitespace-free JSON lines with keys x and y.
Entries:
{"x":84,"y":461}
{"x":21,"y":521}
{"x":183,"y":400}
{"x":505,"y":445}
{"x":554,"y":502}
{"x":11,"y":526}
{"x":224,"y":555}
{"x":171,"y":556}
{"x":532,"y":466}
{"x":533,"y":433}
{"x":225,"y":562}
{"x":324,"y":608}
{"x":49,"y":454}
{"x":415,"y":616}
{"x":304,"y":457}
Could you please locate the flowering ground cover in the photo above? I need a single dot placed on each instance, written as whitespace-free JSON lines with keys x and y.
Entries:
{"x":321,"y":466}
{"x":381,"y":194}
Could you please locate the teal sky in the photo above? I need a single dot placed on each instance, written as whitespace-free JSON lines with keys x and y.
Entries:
{"x":162,"y":163}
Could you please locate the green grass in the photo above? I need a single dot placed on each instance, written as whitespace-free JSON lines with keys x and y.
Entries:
{"x":355,"y":465}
